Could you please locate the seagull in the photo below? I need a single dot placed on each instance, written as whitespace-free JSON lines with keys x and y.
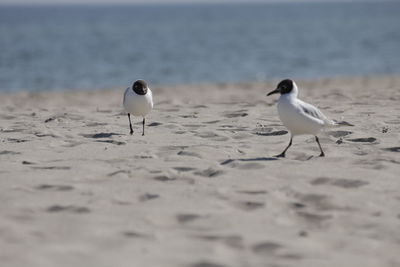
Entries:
{"x":138,"y":101}
{"x":298,"y":116}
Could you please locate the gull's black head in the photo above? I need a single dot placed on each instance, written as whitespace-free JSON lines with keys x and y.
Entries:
{"x":140,"y":87}
{"x":284,"y":87}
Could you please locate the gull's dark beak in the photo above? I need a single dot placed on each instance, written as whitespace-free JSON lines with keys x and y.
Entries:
{"x":274,"y":92}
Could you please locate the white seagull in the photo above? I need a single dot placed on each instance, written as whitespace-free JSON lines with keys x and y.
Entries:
{"x":298,"y":116}
{"x":138,"y":101}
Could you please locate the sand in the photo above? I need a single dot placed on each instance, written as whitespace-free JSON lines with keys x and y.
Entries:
{"x":202,"y":188}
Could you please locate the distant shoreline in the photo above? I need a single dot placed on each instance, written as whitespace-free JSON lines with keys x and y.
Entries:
{"x":213,"y":84}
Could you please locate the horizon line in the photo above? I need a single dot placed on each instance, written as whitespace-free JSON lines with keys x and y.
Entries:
{"x":196,"y":2}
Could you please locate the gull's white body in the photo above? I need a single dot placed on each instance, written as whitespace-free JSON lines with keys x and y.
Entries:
{"x":138,"y":105}
{"x":300,"y":117}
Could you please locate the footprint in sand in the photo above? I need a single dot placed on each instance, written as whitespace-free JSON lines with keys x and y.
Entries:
{"x":189,"y":154}
{"x":190,"y":116}
{"x":241,"y":136}
{"x":172,"y":126}
{"x":118,"y":172}
{"x":392,"y":149}
{"x":234,"y":241}
{"x":247,"y":164}
{"x":199,"y":106}
{"x":49,"y":120}
{"x":291,"y":256}
{"x":211,"y":122}
{"x":206,"y":134}
{"x":272,"y":133}
{"x":12,"y":130}
{"x":103,"y":110}
{"x":68,"y":208}
{"x":392,"y":121}
{"x":170,"y":149}
{"x":52,"y":168}
{"x":343,"y":183}
{"x":363,"y":140}
{"x":232,"y":128}
{"x":185,"y":218}
{"x":192,"y":126}
{"x":170,"y":109}
{"x":148,"y":196}
{"x":228,"y":161}
{"x":318,"y":202}
{"x":8,"y":152}
{"x":338,"y":134}
{"x":105,"y":135}
{"x":184,"y":169}
{"x":100,"y":135}
{"x":206,"y":264}
{"x":72,"y":143}
{"x":49,"y":187}
{"x":95,"y":124}
{"x":313,"y":219}
{"x":133,"y":234}
{"x":164,"y":178}
{"x":17,"y":140}
{"x":118,"y":143}
{"x":298,"y":205}
{"x":300,"y":156}
{"x":373,"y":163}
{"x":209,"y":173}
{"x":236,"y":114}
{"x":266,"y":248}
{"x":249,"y":205}
{"x":250,"y":166}
{"x":7,"y":117}
{"x":64,"y":116}
{"x":252,"y":192}
{"x":211,"y":135}
{"x":154,"y":124}
{"x":46,"y":134}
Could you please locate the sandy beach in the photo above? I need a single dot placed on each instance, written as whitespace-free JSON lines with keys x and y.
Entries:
{"x":202,"y":188}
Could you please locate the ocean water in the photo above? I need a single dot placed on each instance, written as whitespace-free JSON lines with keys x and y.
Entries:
{"x":96,"y":47}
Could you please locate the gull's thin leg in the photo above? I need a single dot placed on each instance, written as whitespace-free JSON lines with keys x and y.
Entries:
{"x":143,"y":125}
{"x":130,"y":124}
{"x":282,"y":155}
{"x":320,"y":148}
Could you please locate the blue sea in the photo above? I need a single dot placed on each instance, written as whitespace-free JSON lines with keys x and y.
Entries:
{"x":97,"y":47}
